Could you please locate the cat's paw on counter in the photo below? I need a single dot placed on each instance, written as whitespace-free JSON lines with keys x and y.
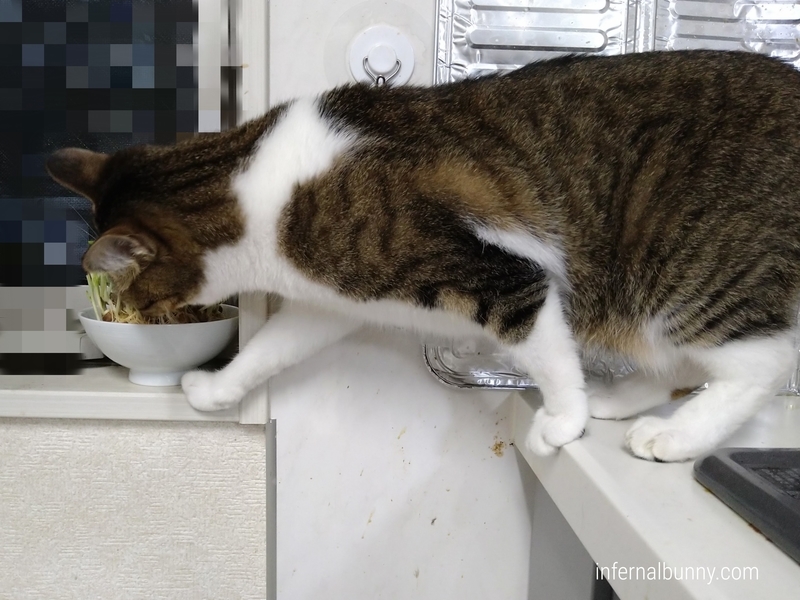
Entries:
{"x":207,"y":391}
{"x":550,"y":432}
{"x":662,"y":440}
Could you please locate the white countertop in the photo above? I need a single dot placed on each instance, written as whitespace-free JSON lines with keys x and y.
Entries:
{"x":98,"y":392}
{"x":644,"y":514}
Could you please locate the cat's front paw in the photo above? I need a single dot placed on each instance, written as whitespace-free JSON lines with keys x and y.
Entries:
{"x":208,"y":391}
{"x":550,"y":432}
{"x":661,"y":440}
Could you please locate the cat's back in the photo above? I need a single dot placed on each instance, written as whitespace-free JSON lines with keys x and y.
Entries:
{"x":594,"y":130}
{"x":664,"y":176}
{"x":614,"y":91}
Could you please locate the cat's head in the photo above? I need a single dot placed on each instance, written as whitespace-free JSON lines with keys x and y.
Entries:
{"x":156,"y":213}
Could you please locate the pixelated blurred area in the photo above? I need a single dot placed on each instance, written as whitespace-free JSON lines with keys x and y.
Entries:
{"x":50,"y":363}
{"x":99,"y":74}
{"x":35,"y":323}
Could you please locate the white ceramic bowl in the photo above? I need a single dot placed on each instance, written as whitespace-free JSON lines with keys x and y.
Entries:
{"x":158,"y":355}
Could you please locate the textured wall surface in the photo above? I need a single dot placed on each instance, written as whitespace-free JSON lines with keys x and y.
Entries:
{"x":392,"y":486}
{"x":93,"y":509}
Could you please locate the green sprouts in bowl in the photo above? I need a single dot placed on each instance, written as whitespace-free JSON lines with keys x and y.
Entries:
{"x":109,"y":307}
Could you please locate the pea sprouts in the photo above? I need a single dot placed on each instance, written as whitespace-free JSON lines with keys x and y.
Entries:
{"x":108,"y":306}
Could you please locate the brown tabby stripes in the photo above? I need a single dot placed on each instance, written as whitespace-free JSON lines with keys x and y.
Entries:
{"x":670,"y":178}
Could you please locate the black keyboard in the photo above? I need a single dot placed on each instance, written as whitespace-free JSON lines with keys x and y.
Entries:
{"x":762,"y":486}
{"x":787,"y":479}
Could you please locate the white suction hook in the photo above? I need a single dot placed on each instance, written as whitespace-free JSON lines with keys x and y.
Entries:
{"x":380,"y":55}
{"x":382,"y":59}
{"x":381,"y":64}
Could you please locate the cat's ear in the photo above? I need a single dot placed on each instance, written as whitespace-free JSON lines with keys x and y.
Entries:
{"x":121,"y":255}
{"x":78,"y":170}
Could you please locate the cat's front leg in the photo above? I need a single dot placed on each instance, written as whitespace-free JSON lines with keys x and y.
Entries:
{"x":550,"y":355}
{"x":290,"y":336}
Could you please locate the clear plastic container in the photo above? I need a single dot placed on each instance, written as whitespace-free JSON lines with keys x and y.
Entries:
{"x":476,"y":37}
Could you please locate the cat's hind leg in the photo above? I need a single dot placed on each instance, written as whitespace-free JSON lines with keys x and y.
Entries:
{"x":550,"y":355}
{"x":743,"y":375}
{"x":628,"y":396}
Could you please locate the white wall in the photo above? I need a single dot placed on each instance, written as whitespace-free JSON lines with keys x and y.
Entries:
{"x":309,"y":41}
{"x":390,"y":485}
{"x":131,"y":510}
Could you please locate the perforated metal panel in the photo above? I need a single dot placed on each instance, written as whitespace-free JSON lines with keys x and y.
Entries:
{"x":480,"y":36}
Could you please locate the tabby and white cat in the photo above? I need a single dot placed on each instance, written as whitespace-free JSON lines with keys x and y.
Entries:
{"x":647,"y":205}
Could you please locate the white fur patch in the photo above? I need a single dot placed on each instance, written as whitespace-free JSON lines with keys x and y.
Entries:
{"x":550,"y":356}
{"x":299,"y":147}
{"x":658,"y":354}
{"x":548,"y":255}
{"x":743,"y":375}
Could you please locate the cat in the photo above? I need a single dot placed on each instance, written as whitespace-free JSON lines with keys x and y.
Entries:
{"x":646,"y":205}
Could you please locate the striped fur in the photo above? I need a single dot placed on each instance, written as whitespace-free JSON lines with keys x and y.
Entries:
{"x":647,"y":204}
